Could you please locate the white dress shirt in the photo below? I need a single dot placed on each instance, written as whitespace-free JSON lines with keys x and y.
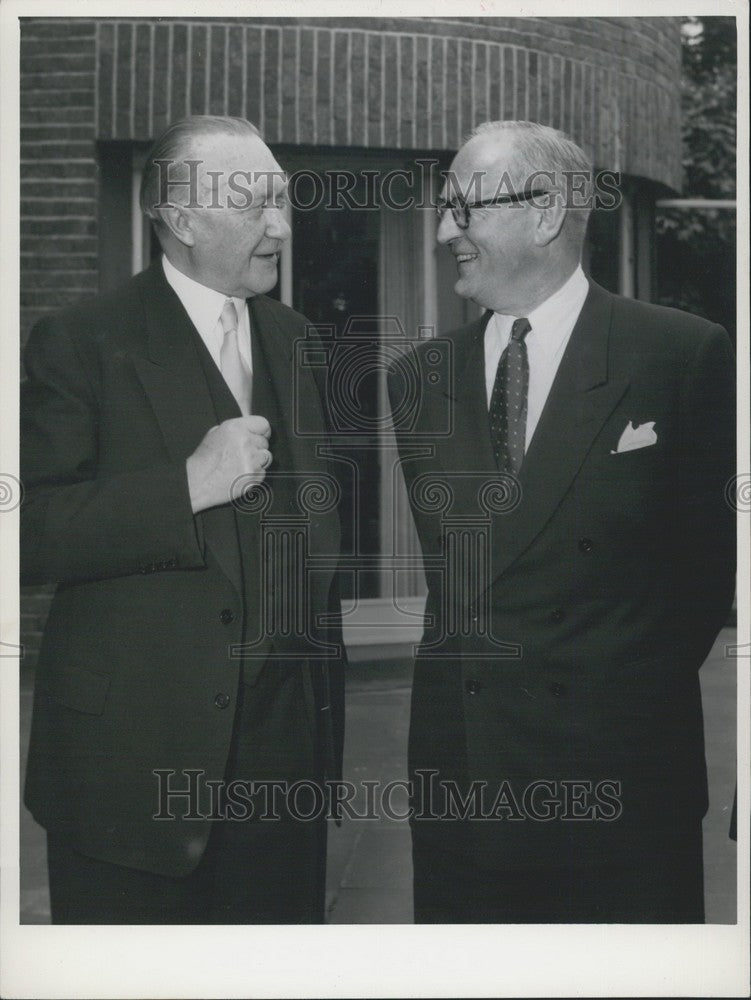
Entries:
{"x":551,"y":323}
{"x":204,"y":306}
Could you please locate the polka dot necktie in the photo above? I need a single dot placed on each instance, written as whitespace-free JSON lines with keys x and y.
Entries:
{"x":508,"y":402}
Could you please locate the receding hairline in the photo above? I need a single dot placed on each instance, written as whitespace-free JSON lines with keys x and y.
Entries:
{"x":527,"y":138}
{"x":188,"y":139}
{"x":194,"y":125}
{"x":203,"y":140}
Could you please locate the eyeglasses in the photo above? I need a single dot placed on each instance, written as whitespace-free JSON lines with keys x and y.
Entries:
{"x":460,"y":209}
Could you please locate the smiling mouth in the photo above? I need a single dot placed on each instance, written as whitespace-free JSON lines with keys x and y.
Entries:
{"x":463,"y":258}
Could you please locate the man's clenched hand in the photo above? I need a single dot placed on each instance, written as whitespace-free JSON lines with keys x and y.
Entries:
{"x":234,"y":448}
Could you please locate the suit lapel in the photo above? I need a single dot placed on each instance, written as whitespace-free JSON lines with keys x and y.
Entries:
{"x":286,"y":393}
{"x":582,"y":397}
{"x":291,"y":387}
{"x":171,"y":373}
{"x":468,"y":448}
{"x":174,"y":379}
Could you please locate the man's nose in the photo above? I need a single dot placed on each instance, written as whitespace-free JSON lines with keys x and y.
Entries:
{"x":447,"y":228}
{"x":277,"y":226}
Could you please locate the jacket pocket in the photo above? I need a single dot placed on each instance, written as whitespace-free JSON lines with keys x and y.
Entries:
{"x":78,"y":688}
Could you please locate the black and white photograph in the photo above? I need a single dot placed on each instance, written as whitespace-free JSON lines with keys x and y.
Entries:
{"x":375,"y":500}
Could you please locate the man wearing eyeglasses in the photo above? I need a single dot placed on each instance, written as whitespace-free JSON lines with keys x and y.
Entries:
{"x":580,"y":563}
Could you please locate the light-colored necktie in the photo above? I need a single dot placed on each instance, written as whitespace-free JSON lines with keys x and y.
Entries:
{"x":234,"y":368}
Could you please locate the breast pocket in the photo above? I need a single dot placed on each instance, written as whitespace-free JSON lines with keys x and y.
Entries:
{"x":630,"y":475}
{"x":637,"y":461}
{"x":627,"y":498}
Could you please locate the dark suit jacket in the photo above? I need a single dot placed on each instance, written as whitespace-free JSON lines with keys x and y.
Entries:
{"x":606,"y":575}
{"x":136,"y":670}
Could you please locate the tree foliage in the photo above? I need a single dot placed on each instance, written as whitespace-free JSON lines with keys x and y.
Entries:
{"x":696,"y":247}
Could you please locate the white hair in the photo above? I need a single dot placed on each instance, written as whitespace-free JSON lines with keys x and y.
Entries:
{"x":174,"y":146}
{"x":540,"y":149}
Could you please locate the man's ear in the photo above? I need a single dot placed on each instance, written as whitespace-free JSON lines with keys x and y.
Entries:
{"x":550,"y":221}
{"x":180,"y":223}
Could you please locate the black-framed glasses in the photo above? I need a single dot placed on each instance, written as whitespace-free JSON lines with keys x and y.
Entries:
{"x":460,"y":210}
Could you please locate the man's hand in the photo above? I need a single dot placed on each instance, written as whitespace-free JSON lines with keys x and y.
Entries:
{"x":237,"y":447}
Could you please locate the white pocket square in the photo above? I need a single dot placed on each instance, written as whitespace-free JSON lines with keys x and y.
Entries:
{"x":641,"y":436}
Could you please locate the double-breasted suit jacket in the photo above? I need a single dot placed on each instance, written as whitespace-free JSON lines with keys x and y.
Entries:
{"x":140,"y":664}
{"x":568,"y":612}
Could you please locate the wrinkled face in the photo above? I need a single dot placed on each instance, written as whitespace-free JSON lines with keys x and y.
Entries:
{"x":495,"y":256}
{"x":237,"y":240}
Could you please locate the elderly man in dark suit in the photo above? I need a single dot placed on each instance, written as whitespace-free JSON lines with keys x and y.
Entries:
{"x":566,"y":467}
{"x":167,"y":497}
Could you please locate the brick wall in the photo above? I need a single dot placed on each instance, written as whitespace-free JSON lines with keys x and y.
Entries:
{"x":404,"y":83}
{"x":58,"y":165}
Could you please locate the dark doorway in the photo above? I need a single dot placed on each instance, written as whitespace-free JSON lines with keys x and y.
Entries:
{"x":335,"y":285}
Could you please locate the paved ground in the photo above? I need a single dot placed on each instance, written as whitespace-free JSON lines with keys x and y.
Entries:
{"x":369,"y":877}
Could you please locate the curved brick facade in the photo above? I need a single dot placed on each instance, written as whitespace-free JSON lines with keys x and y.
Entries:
{"x":408,"y":83}
{"x":612,"y":83}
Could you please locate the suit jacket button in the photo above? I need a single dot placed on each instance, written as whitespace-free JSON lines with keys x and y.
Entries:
{"x":585,"y":544}
{"x":558,"y":689}
{"x":472,"y":686}
{"x":222,"y":700}
{"x":226,"y":616}
{"x":557,"y":615}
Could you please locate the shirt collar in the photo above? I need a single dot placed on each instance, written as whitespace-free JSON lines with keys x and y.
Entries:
{"x":554,"y":318}
{"x":202,"y":304}
{"x":569,"y":297}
